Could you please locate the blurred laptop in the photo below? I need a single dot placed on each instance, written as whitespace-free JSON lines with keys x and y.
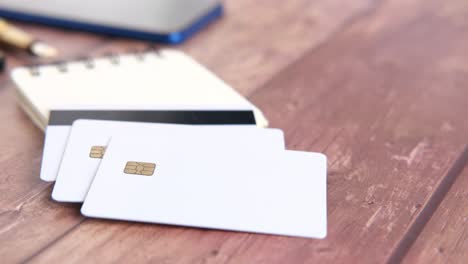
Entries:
{"x":168,"y":21}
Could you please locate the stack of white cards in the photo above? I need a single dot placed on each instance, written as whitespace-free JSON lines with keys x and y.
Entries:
{"x":183,"y":147}
{"x":230,"y":177}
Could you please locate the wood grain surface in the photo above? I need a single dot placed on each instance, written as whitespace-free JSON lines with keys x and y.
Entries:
{"x":444,"y":239}
{"x":378,"y":86}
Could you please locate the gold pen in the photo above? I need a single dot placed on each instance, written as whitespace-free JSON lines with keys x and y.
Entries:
{"x":13,"y":36}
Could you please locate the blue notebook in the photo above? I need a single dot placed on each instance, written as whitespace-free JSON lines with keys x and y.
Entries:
{"x":167,"y":21}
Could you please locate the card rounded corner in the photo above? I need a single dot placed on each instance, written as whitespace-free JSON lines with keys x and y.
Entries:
{"x":322,"y":235}
{"x":56,"y":198}
{"x":84,"y":211}
{"x":322,"y":157}
{"x":78,"y":121}
{"x":44,"y":178}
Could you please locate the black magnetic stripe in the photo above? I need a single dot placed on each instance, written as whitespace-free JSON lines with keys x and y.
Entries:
{"x":193,"y":117}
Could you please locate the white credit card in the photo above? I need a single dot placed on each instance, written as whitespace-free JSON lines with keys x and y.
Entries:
{"x":60,"y":121}
{"x":88,"y":140}
{"x":148,"y":179}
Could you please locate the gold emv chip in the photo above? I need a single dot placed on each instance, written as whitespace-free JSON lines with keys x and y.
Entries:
{"x":97,"y":152}
{"x":139,"y":168}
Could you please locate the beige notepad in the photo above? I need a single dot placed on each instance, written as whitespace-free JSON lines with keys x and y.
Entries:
{"x":159,"y":78}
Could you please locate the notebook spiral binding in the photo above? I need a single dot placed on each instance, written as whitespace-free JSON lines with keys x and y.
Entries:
{"x":62,"y":66}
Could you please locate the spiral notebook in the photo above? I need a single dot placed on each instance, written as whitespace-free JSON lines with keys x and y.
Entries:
{"x":164,"y":79}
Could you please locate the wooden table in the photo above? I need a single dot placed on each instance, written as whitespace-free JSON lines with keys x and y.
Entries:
{"x":381,"y":87}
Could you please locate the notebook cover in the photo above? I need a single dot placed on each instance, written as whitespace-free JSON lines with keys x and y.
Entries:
{"x":163,"y":78}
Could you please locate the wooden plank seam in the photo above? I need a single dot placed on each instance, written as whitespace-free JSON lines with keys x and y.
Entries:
{"x":429,"y":209}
